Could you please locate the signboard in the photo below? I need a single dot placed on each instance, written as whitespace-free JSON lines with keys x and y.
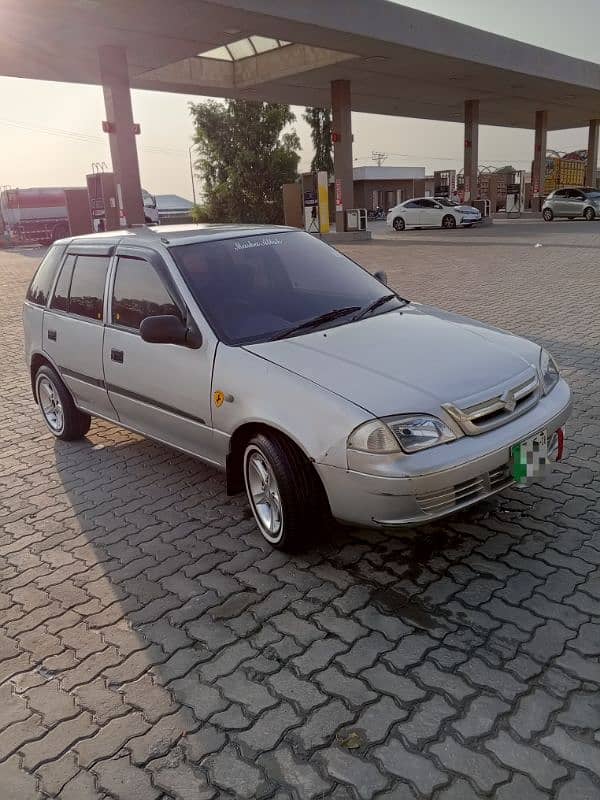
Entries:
{"x":310,"y":199}
{"x":339,"y":206}
{"x":513,"y":188}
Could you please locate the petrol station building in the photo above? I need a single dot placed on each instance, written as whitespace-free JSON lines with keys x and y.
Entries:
{"x":369,"y":56}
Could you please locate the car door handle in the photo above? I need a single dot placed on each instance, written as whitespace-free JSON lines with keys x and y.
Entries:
{"x":52,"y":335}
{"x":116,"y":355}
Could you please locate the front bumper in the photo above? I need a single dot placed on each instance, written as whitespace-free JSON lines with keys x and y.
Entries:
{"x":433,"y":483}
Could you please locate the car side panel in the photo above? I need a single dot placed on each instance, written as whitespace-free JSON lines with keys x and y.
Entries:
{"x":256,"y":390}
{"x":432,"y":217}
{"x":575,"y":204}
{"x":33,"y":319}
{"x":411,"y":216}
{"x":75,"y":345}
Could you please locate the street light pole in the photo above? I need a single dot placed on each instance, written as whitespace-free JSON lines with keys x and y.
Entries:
{"x":192,"y":173}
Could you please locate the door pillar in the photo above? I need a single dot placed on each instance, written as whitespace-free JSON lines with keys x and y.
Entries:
{"x":341,"y":108}
{"x":591,"y":169}
{"x":539,"y":159}
{"x":114,"y":74}
{"x":471,"y":161}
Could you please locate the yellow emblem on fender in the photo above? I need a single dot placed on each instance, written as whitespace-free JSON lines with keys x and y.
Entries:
{"x":219,"y":398}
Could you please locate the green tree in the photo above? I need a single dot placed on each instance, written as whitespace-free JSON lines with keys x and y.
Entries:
{"x":244,"y":158}
{"x":319,"y":120}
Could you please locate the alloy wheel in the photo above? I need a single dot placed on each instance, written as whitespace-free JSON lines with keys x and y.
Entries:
{"x":50,"y":404}
{"x":263,"y":493}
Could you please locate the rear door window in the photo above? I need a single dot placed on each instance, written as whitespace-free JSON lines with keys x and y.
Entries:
{"x":87,"y":286}
{"x":60,"y":299}
{"x":40,"y":286}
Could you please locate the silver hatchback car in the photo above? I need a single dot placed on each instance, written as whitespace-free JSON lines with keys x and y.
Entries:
{"x":269,"y":354}
{"x":571,"y":203}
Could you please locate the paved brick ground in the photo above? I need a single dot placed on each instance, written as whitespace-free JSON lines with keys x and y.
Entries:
{"x":152,"y":647}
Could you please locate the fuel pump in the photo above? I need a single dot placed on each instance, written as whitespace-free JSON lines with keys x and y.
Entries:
{"x":315,"y":202}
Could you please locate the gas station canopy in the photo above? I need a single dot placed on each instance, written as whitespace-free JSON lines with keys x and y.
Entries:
{"x":400,"y":62}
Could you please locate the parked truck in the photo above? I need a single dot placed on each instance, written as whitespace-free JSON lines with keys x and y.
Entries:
{"x":42,"y":215}
{"x":45,"y":214}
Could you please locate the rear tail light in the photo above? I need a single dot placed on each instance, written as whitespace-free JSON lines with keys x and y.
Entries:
{"x":561,"y":444}
{"x":557,"y":445}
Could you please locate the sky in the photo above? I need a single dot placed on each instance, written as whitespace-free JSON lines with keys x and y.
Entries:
{"x":50,"y":133}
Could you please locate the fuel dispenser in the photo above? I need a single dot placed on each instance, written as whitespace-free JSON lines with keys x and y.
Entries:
{"x":515,"y":194}
{"x":315,"y":202}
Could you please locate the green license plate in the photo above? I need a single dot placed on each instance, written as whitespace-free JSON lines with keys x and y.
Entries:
{"x":529,"y":459}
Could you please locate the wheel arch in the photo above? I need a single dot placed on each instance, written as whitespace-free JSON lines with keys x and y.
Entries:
{"x":240,"y":437}
{"x":39,"y":360}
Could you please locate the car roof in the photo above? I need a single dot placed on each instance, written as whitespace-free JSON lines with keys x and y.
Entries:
{"x":584,"y":189}
{"x":171,"y":235}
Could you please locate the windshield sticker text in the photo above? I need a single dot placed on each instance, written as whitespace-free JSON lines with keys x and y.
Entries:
{"x":265,"y":241}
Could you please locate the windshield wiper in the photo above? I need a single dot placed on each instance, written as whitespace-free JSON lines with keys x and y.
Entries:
{"x":376,"y":303}
{"x":328,"y":316}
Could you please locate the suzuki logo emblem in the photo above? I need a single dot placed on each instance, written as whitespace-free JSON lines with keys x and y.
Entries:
{"x":509,"y":401}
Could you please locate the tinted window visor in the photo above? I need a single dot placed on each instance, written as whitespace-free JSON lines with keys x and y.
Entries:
{"x":255,"y":288}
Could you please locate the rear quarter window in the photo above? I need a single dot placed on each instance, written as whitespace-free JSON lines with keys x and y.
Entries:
{"x":40,"y":286}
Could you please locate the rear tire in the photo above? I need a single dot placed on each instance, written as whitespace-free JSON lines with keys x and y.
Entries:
{"x":63,"y":419}
{"x":589,"y":214}
{"x":548,"y":215}
{"x":449,"y":222}
{"x":399,"y":224}
{"x":284,"y":492}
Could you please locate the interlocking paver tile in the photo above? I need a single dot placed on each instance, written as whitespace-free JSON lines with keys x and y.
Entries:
{"x":363,"y":776}
{"x":138,"y":601}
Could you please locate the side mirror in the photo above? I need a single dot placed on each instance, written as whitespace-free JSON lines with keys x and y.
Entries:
{"x":169,"y":329}
{"x":381,"y":277}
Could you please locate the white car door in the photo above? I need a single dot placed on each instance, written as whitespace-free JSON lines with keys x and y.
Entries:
{"x":431,"y":213}
{"x":410,"y":212}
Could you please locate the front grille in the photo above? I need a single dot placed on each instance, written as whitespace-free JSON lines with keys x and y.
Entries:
{"x":464,"y":493}
{"x":497,"y":410}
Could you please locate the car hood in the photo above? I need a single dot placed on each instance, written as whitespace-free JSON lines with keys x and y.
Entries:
{"x":409,"y":360}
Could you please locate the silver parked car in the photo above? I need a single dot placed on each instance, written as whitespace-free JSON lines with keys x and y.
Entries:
{"x":571,"y":203}
{"x":269,"y":354}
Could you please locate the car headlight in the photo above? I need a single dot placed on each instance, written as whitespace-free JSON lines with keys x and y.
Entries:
{"x":549,"y":371}
{"x":408,"y":433}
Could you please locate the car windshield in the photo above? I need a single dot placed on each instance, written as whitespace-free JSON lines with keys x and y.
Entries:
{"x":445,"y":202}
{"x":260,"y":287}
{"x":595,"y":194}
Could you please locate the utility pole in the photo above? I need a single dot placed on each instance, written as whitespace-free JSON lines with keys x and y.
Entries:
{"x":378,"y":157}
{"x":192,"y":173}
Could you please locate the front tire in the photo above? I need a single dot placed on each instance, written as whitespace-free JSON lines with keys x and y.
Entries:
{"x":449,"y":222}
{"x":548,"y":215}
{"x":399,"y":224}
{"x":589,"y":214}
{"x":284,"y":492}
{"x":63,"y":419}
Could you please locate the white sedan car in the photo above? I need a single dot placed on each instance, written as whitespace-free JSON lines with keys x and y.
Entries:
{"x":430,"y":212}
